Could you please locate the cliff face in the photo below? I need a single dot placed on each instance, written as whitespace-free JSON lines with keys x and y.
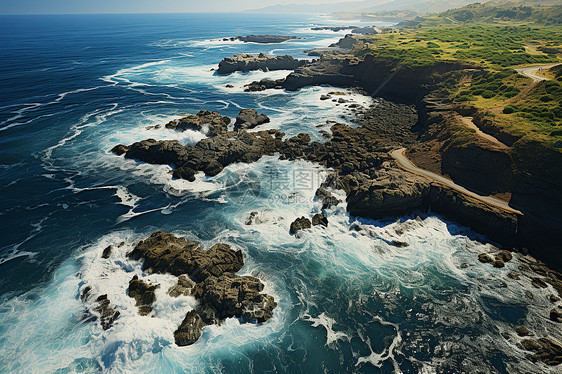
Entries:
{"x":380,"y":77}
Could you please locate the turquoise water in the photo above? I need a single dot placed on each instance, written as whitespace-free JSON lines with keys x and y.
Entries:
{"x":75,"y":86}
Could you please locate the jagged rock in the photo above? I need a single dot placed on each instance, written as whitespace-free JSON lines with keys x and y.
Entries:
{"x":546,"y":350}
{"x":184,"y":172}
{"x":485,"y":258}
{"x":247,"y":62}
{"x":399,"y":244}
{"x":166,"y":253}
{"x":217,"y":123}
{"x":107,"y":251}
{"x":190,"y":329}
{"x":504,"y":255}
{"x":107,"y":313}
{"x":347,"y":42}
{"x":119,"y":149}
{"x":319,"y":219}
{"x":325,"y":97}
{"x":229,"y":86}
{"x":143,"y":293}
{"x":183,"y":287}
{"x":236,"y":296}
{"x":538,"y":283}
{"x":249,"y":118}
{"x":555,"y":315}
{"x":300,"y":224}
{"x":498,"y":263}
{"x":522,"y":331}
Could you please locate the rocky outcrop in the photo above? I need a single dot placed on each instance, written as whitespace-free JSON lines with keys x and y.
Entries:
{"x":248,"y":62}
{"x":299,"y":224}
{"x":347,"y":42}
{"x":166,"y":253}
{"x":231,"y":295}
{"x":319,"y":219}
{"x":545,"y":350}
{"x":190,"y":329}
{"x":220,"y":292}
{"x":143,"y":293}
{"x":214,"y":122}
{"x":264,"y":39}
{"x":249,"y":118}
{"x":333,"y":28}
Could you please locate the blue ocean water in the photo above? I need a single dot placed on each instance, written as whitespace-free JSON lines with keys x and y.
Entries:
{"x":72,"y":87}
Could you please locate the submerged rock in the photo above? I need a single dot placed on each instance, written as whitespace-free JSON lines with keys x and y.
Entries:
{"x":107,"y":312}
{"x":143,"y":293}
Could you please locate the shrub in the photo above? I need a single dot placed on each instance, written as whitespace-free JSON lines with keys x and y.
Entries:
{"x":546,"y":98}
{"x":508,"y":110}
{"x":487,"y":94}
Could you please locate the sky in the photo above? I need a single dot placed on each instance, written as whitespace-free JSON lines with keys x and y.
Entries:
{"x":139,"y":6}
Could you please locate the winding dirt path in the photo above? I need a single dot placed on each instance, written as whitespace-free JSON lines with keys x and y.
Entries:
{"x":468,"y":122}
{"x":529,"y":70}
{"x":405,"y":163}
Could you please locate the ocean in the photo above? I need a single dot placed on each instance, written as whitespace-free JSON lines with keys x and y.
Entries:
{"x":74,"y":86}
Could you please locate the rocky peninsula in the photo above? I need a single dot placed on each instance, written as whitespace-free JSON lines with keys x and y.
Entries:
{"x":263,"y":39}
{"x":248,"y":62}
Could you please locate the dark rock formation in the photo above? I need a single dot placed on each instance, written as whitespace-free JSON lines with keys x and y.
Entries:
{"x":546,"y":350}
{"x":247,"y":62}
{"x":143,"y":293}
{"x":233,"y":295}
{"x":522,"y":331}
{"x":217,"y":123}
{"x":220,"y":292}
{"x":190,"y":329}
{"x":249,"y":118}
{"x":555,"y":315}
{"x":300,"y":224}
{"x":333,"y":28}
{"x":347,"y":42}
{"x":107,"y":252}
{"x":166,"y":253}
{"x":319,"y":219}
{"x":265,"y":39}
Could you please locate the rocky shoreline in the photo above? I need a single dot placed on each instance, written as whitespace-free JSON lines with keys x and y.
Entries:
{"x":375,"y":185}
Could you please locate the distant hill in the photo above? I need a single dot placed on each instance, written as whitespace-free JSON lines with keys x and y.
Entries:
{"x":490,"y":12}
{"x":368,"y":6}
